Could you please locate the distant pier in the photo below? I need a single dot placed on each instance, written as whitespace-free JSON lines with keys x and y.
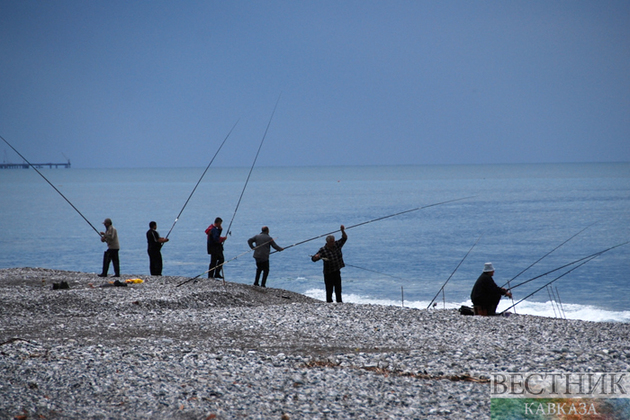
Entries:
{"x":35,"y":165}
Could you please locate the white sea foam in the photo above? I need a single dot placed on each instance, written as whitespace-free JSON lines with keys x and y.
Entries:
{"x":544,"y":309}
{"x":573,"y":311}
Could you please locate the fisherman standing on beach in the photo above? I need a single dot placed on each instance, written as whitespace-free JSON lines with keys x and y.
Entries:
{"x":333,"y":263}
{"x":486,"y":294}
{"x":111,"y":237}
{"x":155,"y":243}
{"x":215,"y":248}
{"x":261,"y":244}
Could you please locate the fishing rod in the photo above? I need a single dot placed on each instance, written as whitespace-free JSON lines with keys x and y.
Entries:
{"x":229,"y":229}
{"x":449,"y":277}
{"x":552,"y":301}
{"x":202,"y":175}
{"x":548,"y":283}
{"x":571,"y":263}
{"x":55,"y":188}
{"x":252,"y":167}
{"x":373,"y":220}
{"x":225,"y":262}
{"x":541,"y":258}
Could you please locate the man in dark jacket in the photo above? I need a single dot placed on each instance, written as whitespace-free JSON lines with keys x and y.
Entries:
{"x":333,"y":263}
{"x":215,"y":248}
{"x":154,"y":247}
{"x":486,"y":294}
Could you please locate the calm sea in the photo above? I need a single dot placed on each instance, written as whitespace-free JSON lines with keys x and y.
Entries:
{"x":514,"y":213}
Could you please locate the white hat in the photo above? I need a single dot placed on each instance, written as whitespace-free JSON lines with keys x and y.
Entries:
{"x":487,"y":268}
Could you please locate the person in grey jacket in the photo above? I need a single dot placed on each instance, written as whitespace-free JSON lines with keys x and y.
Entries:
{"x":111,"y":237}
{"x":261,"y":244}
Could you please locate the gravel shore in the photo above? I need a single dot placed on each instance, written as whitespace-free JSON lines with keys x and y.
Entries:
{"x":219,"y":350}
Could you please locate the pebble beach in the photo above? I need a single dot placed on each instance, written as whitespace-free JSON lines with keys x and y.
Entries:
{"x":218,"y":350}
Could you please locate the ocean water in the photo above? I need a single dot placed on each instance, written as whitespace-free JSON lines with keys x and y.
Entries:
{"x":514,"y":214}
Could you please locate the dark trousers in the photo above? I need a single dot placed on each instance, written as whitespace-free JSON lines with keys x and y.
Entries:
{"x":155,"y":262}
{"x":333,"y":282}
{"x":488,"y":306}
{"x":216,"y":258}
{"x":111,"y":255}
{"x":262,"y":267}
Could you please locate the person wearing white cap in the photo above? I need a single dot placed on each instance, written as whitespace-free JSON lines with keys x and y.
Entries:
{"x":486,"y":294}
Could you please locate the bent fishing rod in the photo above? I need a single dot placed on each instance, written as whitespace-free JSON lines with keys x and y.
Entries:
{"x":50,"y":183}
{"x":374,"y":220}
{"x":330,"y":233}
{"x":449,"y":277}
{"x":548,"y":283}
{"x":252,"y":167}
{"x":202,"y":175}
{"x":225,"y":262}
{"x":596,"y":254}
{"x":548,"y":253}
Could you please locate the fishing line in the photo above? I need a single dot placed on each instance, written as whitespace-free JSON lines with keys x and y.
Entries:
{"x":202,"y":175}
{"x":50,"y":183}
{"x":555,"y":300}
{"x":548,"y":283}
{"x":338,"y":230}
{"x":330,"y":233}
{"x":373,"y":220}
{"x":541,"y":258}
{"x":252,"y":167}
{"x":449,"y":277}
{"x":373,"y":271}
{"x":571,"y":263}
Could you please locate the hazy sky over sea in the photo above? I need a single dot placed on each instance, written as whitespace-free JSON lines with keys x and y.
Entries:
{"x":160,"y":83}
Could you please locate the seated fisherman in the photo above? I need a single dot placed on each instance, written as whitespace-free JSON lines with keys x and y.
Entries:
{"x":486,"y":294}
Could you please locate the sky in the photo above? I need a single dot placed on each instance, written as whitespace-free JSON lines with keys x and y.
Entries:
{"x":112,"y":84}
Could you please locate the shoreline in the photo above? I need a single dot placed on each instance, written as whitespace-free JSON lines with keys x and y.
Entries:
{"x":153,"y":350}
